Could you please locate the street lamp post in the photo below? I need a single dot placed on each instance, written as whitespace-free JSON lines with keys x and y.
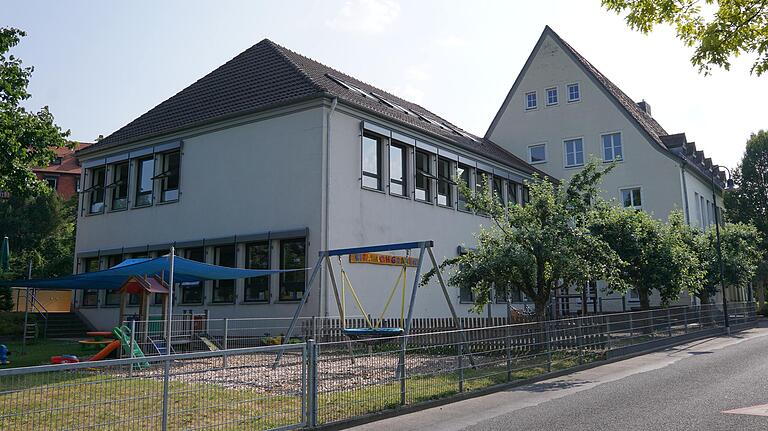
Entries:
{"x":719,"y":247}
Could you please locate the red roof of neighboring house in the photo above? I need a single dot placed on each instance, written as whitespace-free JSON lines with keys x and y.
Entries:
{"x":68,"y":163}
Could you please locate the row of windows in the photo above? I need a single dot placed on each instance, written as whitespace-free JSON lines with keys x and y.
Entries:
{"x":258,"y":255}
{"x":573,"y":150}
{"x":109,"y":185}
{"x":572,"y":91}
{"x":706,"y":211}
{"x":433,"y":176}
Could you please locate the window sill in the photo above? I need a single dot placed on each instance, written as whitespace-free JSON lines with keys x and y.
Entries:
{"x":448,"y":207}
{"x":254,"y":303}
{"x":465,"y":211}
{"x":549,"y":105}
{"x":111,"y":306}
{"x":90,"y":214}
{"x":370,"y":189}
{"x":136,"y":207}
{"x":424,"y":201}
{"x":574,"y":101}
{"x":190,"y":304}
{"x":574,"y":166}
{"x":221,"y":303}
{"x":531,"y":109}
{"x":400,"y":196}
{"x":287,"y":301}
{"x":89,"y":306}
{"x":537,"y":163}
{"x":167,"y":202}
{"x":117,"y":210}
{"x":614,"y":161}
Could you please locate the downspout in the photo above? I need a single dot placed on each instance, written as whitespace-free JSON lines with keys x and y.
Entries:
{"x":326,"y":228}
{"x":685,"y":193}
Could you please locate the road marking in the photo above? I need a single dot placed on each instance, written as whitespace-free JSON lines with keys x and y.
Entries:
{"x":761,"y":410}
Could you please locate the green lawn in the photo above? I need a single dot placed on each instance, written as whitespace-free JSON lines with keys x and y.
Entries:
{"x":39,"y":352}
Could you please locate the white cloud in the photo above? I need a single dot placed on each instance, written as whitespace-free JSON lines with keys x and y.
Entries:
{"x":451,"y":42}
{"x":365,"y":16}
{"x":417,"y":73}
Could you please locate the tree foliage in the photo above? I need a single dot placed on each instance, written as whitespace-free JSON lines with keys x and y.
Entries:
{"x":538,"y":247}
{"x":733,"y":28}
{"x":27,"y":139}
{"x":740,"y":245}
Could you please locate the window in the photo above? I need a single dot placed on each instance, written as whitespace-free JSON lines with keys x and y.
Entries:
{"x":145,"y":170}
{"x":702,"y":213}
{"x":444,"y":182}
{"x":552,"y":96}
{"x":509,"y":292}
{"x":292,"y":256}
{"x":169,"y":187}
{"x":257,"y":257}
{"x":398,"y":169}
{"x":97,"y":190}
{"x":498,"y":190}
{"x":463,"y":175}
{"x":512,"y":192}
{"x":574,"y":152}
{"x":530,"y":100}
{"x":90,"y":296}
{"x":424,"y":176}
{"x":51,"y":181}
{"x":132,"y":298}
{"x":574,"y":93}
{"x":612,"y":147}
{"x":710,"y":214}
{"x":371,"y":162}
{"x":119,"y":186}
{"x":192,"y":292}
{"x":537,"y":153}
{"x":525,"y":195}
{"x":56,"y":161}
{"x":112,"y":297}
{"x":224,"y":290}
{"x":77,"y":184}
{"x":466,"y":296}
{"x":632,"y":198}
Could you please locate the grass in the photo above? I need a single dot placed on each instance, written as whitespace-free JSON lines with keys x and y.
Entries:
{"x":39,"y":352}
{"x":76,"y":399}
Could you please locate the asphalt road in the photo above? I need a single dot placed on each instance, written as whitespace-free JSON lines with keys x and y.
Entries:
{"x":688,"y":387}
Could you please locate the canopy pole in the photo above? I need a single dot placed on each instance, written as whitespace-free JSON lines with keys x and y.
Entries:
{"x":169,"y":317}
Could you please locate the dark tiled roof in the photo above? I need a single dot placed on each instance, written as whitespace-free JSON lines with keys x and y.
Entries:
{"x":267,"y":75}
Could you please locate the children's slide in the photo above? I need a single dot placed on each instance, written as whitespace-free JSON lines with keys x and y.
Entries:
{"x":106,"y":351}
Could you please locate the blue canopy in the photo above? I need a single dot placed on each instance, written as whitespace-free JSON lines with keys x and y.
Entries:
{"x":184,"y":270}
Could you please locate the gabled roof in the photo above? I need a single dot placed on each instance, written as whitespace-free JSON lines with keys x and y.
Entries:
{"x":68,"y":165}
{"x":267,"y":75}
{"x":645,"y":122}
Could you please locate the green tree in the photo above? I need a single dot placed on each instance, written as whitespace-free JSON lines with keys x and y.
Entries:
{"x":41,"y":230}
{"x":733,"y":27}
{"x":740,"y":244}
{"x":538,"y":247}
{"x":659,"y":257}
{"x":27,"y":139}
{"x":748,"y":202}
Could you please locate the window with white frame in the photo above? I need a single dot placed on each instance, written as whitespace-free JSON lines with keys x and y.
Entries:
{"x":424,"y":176}
{"x":371,"y":161}
{"x":464,"y":174}
{"x":632,"y":198}
{"x":445,"y":182}
{"x":537,"y":153}
{"x":398,"y":168}
{"x":574,"y":93}
{"x":552,"y":98}
{"x":530,"y":100}
{"x":52,"y":181}
{"x":574,"y":152}
{"x":612,"y":149}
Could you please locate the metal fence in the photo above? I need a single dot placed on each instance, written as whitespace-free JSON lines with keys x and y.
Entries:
{"x":329,"y":382}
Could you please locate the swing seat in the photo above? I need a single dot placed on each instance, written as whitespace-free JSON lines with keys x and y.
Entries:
{"x":363,"y":333}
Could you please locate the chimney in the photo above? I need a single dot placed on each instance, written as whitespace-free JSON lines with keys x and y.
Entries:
{"x":645,"y":107}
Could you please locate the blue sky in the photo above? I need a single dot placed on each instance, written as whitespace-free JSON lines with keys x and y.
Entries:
{"x":100,"y":64}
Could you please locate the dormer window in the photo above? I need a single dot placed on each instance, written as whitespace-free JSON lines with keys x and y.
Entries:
{"x":574,"y":93}
{"x":530,"y":100}
{"x":552,"y":96}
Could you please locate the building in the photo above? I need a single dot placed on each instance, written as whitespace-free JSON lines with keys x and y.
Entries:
{"x":269,"y":159}
{"x":63,"y":175}
{"x":561,"y":111}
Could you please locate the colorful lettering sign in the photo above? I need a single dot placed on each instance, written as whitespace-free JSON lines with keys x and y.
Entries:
{"x":382,"y":259}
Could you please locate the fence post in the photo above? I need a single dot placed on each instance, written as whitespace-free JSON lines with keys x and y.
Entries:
{"x":508,"y":348}
{"x":461,"y":366}
{"x":401,"y":371}
{"x":166,"y":378}
{"x":549,"y":346}
{"x":608,"y":331}
{"x":225,"y":343}
{"x":312,"y":384}
{"x":685,"y":320}
{"x":669,"y":322}
{"x":631,"y":327}
{"x":130,"y":346}
{"x":579,"y":341}
{"x":700,"y":325}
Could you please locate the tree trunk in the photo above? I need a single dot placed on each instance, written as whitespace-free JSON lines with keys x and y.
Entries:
{"x":541,"y":310}
{"x":645,"y":299}
{"x":704,"y":298}
{"x":760,"y":295}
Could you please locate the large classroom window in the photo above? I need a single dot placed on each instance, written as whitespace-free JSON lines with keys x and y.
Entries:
{"x":97,"y":190}
{"x":444,"y":182}
{"x":145,"y":170}
{"x":119,"y":186}
{"x":292,"y":256}
{"x":257,"y":257}
{"x":424,"y":176}
{"x":169,"y":186}
{"x":192,"y":292}
{"x":224,"y":290}
{"x":371,"y":162}
{"x":90,"y":296}
{"x":463,"y":175}
{"x":397,"y":170}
